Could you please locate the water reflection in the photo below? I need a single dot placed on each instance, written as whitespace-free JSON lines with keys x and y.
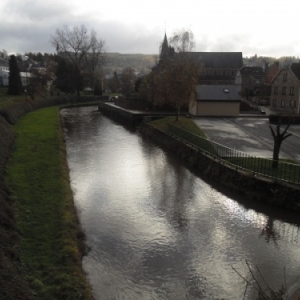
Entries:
{"x":157,"y":231}
{"x":270,"y":233}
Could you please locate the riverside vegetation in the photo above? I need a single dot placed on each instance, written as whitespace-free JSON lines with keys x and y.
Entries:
{"x":48,"y":242}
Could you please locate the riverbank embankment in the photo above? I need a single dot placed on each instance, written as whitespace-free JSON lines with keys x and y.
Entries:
{"x":237,"y":181}
{"x":41,"y":240}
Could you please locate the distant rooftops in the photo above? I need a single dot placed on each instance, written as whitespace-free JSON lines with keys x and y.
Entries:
{"x":295,"y":67}
{"x":222,"y":60}
{"x":252,"y":71}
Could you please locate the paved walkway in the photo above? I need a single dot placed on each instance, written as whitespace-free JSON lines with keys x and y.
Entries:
{"x":250,"y":135}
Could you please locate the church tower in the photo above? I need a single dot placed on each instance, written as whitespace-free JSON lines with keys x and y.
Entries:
{"x":166,"y":51}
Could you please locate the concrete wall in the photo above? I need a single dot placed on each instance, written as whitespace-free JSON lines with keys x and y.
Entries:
{"x":241,"y":183}
{"x":217,"y":108}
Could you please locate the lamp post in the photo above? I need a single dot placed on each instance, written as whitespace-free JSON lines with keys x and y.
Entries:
{"x":49,"y":82}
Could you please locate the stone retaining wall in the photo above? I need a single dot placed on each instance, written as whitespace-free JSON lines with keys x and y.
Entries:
{"x":242,"y":183}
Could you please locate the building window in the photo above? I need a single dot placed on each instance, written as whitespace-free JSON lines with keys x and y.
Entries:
{"x":283,"y":90}
{"x":292,"y":90}
{"x":274,"y":102}
{"x":284,"y":77}
{"x":282,"y":103}
{"x":275,"y":90}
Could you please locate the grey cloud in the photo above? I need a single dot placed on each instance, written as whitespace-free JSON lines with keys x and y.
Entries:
{"x":28,"y":25}
{"x":32,"y":10}
{"x":129,"y":39}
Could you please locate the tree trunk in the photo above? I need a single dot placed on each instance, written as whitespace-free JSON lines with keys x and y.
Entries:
{"x":178,"y":113}
{"x":276,"y":151}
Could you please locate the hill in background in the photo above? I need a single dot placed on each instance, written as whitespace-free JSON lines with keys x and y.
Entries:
{"x":116,"y":62}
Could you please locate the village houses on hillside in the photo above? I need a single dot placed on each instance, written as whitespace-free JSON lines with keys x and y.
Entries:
{"x":4,"y":71}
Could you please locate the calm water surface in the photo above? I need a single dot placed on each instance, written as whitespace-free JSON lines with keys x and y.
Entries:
{"x":156,"y":231}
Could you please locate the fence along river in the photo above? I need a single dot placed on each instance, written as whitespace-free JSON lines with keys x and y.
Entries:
{"x":157,"y":231}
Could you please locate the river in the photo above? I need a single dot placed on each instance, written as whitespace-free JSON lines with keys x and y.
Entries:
{"x":157,"y":231}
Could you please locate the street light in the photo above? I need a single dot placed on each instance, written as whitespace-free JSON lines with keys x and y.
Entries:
{"x":49,"y":83}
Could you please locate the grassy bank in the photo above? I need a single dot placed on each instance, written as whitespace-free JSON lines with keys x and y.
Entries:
{"x":7,"y":100}
{"x":185,"y":123}
{"x":51,"y":244}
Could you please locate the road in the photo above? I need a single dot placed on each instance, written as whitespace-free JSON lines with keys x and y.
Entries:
{"x":250,"y":135}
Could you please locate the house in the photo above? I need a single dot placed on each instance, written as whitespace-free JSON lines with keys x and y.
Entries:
{"x":4,"y":72}
{"x":216,"y":100}
{"x":217,"y":94}
{"x":219,"y":67}
{"x":250,"y":81}
{"x":271,"y":71}
{"x":285,"y":94}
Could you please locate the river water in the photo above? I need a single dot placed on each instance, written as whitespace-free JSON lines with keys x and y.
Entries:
{"x":157,"y":231}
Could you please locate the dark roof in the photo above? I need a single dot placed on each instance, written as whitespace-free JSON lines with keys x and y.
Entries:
{"x":218,"y":93}
{"x":295,"y":68}
{"x":252,"y":71}
{"x":166,"y":50}
{"x":216,"y":77}
{"x":220,"y":60}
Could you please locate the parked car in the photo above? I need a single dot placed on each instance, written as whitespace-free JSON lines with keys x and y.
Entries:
{"x":113,"y":98}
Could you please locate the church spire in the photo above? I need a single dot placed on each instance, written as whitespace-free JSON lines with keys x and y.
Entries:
{"x":164,"y":52}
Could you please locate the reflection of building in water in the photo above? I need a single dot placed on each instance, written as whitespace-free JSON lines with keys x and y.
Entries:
{"x":272,"y":229}
{"x":287,"y":232}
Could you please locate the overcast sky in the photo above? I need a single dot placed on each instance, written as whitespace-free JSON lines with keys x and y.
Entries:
{"x":262,"y":27}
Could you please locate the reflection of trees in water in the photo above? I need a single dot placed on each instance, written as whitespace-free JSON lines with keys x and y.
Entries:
{"x":196,"y":285}
{"x":269,"y":232}
{"x":176,"y":186}
{"x":275,"y":230}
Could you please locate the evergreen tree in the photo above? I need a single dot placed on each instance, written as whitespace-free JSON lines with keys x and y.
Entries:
{"x":98,"y":88}
{"x":64,"y":76}
{"x":15,"y":84}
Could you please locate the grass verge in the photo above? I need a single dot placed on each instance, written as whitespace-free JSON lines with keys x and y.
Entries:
{"x":51,"y":244}
{"x":183,"y":122}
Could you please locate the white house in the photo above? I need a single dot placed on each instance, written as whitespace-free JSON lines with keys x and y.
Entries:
{"x":4,"y":72}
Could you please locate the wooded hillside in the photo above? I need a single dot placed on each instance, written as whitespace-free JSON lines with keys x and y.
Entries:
{"x":118,"y":61}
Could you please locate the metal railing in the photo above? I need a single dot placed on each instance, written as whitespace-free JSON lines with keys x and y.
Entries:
{"x":285,"y":171}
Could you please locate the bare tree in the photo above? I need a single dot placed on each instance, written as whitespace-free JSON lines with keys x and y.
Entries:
{"x":128,"y":81}
{"x":174,"y":79}
{"x":74,"y":45}
{"x":149,"y":87}
{"x":182,"y":41}
{"x":181,"y":78}
{"x":278,"y":138}
{"x":94,"y":59}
